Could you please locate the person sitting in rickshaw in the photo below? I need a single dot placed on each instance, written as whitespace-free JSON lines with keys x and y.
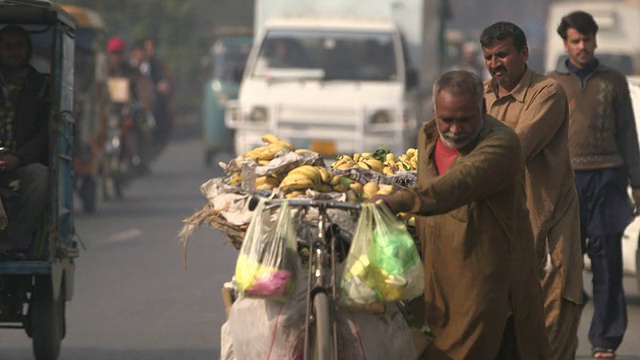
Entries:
{"x":24,"y":111}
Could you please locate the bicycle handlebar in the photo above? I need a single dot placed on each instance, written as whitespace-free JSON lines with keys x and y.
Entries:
{"x":334,"y":204}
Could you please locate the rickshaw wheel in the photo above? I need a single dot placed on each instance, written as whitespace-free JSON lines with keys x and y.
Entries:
{"x":47,"y":320}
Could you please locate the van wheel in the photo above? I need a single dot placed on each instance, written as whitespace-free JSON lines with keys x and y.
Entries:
{"x":47,"y":319}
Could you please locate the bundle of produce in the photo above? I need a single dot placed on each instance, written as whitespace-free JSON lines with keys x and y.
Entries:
{"x":399,"y":170}
{"x":263,"y":168}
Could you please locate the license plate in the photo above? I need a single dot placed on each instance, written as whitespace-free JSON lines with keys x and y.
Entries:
{"x":324,"y":147}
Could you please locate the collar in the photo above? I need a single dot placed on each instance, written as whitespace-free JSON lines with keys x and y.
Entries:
{"x":518,"y":93}
{"x":565,"y":68}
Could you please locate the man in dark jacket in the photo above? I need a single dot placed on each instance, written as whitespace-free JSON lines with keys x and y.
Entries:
{"x":603,"y":144}
{"x":24,"y":111}
{"x":482,"y":293}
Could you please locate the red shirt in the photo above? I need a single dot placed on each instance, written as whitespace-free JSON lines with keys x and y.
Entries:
{"x":444,"y":156}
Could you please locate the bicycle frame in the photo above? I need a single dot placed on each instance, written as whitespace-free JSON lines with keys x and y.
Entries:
{"x":321,"y":283}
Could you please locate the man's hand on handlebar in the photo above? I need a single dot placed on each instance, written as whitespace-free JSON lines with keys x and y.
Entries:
{"x":9,"y":162}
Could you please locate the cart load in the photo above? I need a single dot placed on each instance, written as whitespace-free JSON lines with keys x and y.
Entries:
{"x":376,"y":256}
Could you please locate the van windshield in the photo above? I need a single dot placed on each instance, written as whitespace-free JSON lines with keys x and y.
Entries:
{"x":333,"y":55}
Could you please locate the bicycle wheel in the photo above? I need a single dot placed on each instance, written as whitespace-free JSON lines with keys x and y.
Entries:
{"x":323,"y":342}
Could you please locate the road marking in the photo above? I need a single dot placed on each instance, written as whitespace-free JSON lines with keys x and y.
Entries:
{"x":125,"y":235}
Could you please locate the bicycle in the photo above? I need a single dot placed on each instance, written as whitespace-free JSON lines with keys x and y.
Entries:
{"x":321,"y":341}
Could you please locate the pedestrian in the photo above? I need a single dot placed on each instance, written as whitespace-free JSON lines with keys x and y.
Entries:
{"x":470,"y":60}
{"x":535,"y":107}
{"x":482,"y":296}
{"x":603,"y":144}
{"x":165,"y":107}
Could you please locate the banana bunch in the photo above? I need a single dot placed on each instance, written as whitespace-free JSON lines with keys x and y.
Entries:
{"x":408,"y":218}
{"x":318,"y":178}
{"x":366,"y":160}
{"x":381,"y":160}
{"x":267,"y":182}
{"x":409,"y":160}
{"x":263,"y":154}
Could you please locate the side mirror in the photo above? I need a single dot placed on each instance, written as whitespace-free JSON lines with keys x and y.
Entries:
{"x":411,"y":79}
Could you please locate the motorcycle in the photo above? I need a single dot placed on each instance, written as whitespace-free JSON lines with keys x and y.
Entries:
{"x":128,"y":149}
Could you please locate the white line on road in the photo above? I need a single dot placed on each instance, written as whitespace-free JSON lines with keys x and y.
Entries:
{"x":126,"y":235}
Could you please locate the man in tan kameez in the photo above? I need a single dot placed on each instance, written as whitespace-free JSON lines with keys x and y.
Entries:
{"x":482,"y":294}
{"x":535,"y":107}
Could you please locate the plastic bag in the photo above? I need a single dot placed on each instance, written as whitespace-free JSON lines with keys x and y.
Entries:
{"x":383,"y":264}
{"x":268,"y":263}
{"x":266,"y":329}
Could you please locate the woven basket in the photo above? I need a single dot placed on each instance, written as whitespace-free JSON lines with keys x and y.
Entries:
{"x":235,"y":233}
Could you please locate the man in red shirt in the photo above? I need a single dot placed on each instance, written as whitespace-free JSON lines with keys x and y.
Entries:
{"x":482,"y":295}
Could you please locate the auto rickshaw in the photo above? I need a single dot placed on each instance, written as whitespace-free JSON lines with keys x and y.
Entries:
{"x":223,"y":66}
{"x":34,"y":290}
{"x":91,"y":103}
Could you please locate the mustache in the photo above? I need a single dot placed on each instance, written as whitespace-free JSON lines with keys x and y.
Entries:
{"x":454,"y":137}
{"x":499,"y":68}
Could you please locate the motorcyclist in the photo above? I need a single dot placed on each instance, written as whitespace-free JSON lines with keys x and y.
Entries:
{"x":134,"y":90}
{"x":24,"y":111}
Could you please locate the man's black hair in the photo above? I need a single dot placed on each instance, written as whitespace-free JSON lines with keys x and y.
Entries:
{"x":582,"y":21}
{"x":503,"y":30}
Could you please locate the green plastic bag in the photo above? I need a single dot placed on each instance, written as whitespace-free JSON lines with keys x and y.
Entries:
{"x":268,"y":263}
{"x":383,"y":264}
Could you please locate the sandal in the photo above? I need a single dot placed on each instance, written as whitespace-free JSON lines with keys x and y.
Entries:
{"x":603,"y":353}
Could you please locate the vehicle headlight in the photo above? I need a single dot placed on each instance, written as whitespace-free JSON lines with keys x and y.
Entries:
{"x":381,"y":117}
{"x":259,"y":114}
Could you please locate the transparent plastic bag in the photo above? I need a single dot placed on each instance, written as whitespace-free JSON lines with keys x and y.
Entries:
{"x":383,"y":264}
{"x":268,"y":263}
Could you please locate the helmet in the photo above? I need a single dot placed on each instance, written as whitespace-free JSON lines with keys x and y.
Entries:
{"x":116,"y":44}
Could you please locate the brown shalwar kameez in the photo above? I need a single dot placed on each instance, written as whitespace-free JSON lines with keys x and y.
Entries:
{"x":536,"y":109}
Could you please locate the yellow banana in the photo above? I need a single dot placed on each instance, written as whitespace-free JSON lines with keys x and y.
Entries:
{"x":272,"y":139}
{"x":357,"y":188}
{"x":303,"y":151}
{"x":366,"y":155}
{"x":236,"y":178}
{"x":388,"y":171}
{"x":369,"y":189}
{"x":339,"y":188}
{"x":309,"y":171}
{"x":410,"y":152}
{"x":356,"y":157}
{"x":270,"y":180}
{"x":323,"y":188}
{"x":352,"y":197}
{"x":346,"y":166}
{"x":325,"y":174}
{"x":266,"y":152}
{"x":294,"y":193}
{"x":384,"y":189}
{"x":296,"y":184}
{"x":390,"y":157}
{"x":335,"y":180}
{"x":363,"y":165}
{"x":374,"y":164}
